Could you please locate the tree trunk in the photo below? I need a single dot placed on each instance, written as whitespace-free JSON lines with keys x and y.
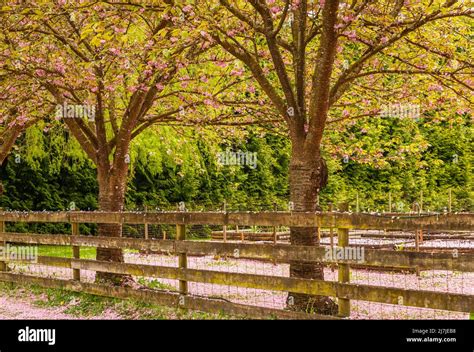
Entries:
{"x":308,"y":175}
{"x":111,"y":198}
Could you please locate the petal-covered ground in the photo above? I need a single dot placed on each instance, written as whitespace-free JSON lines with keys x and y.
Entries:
{"x":443,"y":281}
{"x":24,"y":309}
{"x":440,"y":280}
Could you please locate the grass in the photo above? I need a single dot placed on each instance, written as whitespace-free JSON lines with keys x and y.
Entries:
{"x":66,"y":251}
{"x":83,"y":305}
{"x":156,"y":285}
{"x":75,"y":304}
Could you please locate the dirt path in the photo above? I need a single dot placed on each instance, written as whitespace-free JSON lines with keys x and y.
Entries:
{"x":18,"y":308}
{"x":15,"y":308}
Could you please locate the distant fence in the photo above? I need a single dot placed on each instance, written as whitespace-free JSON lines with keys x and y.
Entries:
{"x":342,"y":289}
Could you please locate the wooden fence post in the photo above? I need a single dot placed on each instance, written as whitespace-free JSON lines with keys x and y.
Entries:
{"x":331,"y":230}
{"x":242,"y":238}
{"x":343,"y":273}
{"x":275,"y":237}
{"x":390,"y":201}
{"x":146,"y":234}
{"x":450,"y":201}
{"x":182,"y":258}
{"x":224,"y":228}
{"x":76,"y":252}
{"x":418,"y":241}
{"x":343,"y":269}
{"x":146,"y":225}
{"x":421,"y":203}
{"x":3,"y":265}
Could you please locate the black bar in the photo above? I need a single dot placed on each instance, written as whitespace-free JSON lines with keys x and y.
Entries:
{"x":384,"y":336}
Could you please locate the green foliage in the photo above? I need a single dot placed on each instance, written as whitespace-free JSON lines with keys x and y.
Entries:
{"x":188,"y":171}
{"x":399,"y":156}
{"x":410,"y":157}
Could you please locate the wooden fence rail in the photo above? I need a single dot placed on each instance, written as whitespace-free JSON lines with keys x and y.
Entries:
{"x":283,"y":253}
{"x":414,"y":298}
{"x":343,"y":289}
{"x":434,"y":222}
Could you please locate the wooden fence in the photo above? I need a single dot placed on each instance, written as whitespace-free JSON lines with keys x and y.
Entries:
{"x":342,"y":289}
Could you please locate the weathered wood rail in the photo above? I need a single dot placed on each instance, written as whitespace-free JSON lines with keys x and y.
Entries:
{"x":278,"y":252}
{"x":433,"y":222}
{"x":250,"y":236}
{"x":344,"y":290}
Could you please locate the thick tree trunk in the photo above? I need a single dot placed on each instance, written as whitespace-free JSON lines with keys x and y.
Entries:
{"x":308,"y":175}
{"x":111,"y":198}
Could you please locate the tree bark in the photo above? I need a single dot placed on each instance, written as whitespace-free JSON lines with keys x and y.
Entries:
{"x":308,"y":175}
{"x":111,"y":198}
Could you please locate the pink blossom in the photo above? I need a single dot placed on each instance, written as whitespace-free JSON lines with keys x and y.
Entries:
{"x":115,"y":51}
{"x":187,"y":8}
{"x":275,"y":9}
{"x":222,"y":64}
{"x":60,"y":68}
{"x":119,"y":30}
{"x":40,"y":72}
{"x":237,"y":72}
{"x":348,"y":18}
{"x":351,"y":35}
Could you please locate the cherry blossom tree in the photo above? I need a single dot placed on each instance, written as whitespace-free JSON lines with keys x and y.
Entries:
{"x":106,"y":72}
{"x":329,"y":62}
